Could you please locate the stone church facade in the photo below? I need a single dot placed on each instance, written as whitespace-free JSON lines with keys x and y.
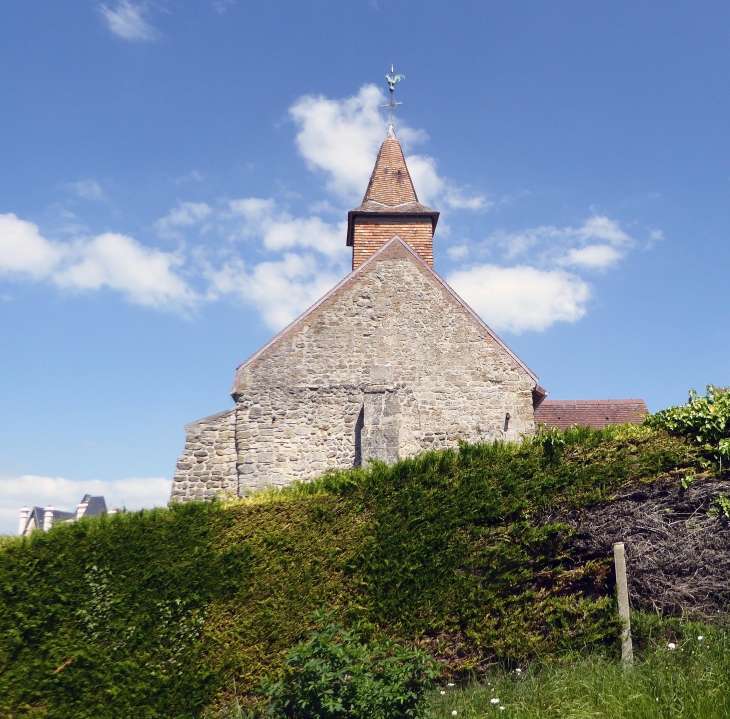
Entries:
{"x":391,"y":362}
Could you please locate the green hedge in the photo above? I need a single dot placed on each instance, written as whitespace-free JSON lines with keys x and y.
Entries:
{"x":154,"y":614}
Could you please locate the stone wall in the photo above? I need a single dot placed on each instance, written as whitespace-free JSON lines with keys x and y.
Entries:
{"x":390,"y":358}
{"x":207,"y":467}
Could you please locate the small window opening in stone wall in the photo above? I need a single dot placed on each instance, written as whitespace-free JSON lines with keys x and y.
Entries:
{"x":507,"y":418}
{"x":359,"y":424}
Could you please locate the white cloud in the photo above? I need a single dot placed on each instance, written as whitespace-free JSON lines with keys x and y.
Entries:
{"x":458,"y":252}
{"x":600,"y":227}
{"x":654,"y":237}
{"x":280,"y":287}
{"x":192,"y":176}
{"x":184,"y":215}
{"x":146,"y":276}
{"x":598,"y":244}
{"x":31,"y":490}
{"x":87,"y":189}
{"x":279,"y":231}
{"x":522,"y":298}
{"x":280,"y":290}
{"x":593,"y":257}
{"x":342,"y":138}
{"x":25,"y":251}
{"x":220,"y":6}
{"x":426,"y":180}
{"x":459,"y":199}
{"x":539,"y":291}
{"x":127,"y":20}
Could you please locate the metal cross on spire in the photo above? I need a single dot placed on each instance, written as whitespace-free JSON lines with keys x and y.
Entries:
{"x":392,"y":80}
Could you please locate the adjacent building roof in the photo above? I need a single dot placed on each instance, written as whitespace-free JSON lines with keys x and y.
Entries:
{"x":596,"y":413}
{"x":95,"y":506}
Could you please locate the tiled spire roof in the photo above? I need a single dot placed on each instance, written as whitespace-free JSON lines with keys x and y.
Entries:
{"x":390,"y":184}
{"x":390,"y":190}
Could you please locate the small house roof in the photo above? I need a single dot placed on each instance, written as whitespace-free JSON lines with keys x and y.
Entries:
{"x":596,"y":413}
{"x":95,"y":506}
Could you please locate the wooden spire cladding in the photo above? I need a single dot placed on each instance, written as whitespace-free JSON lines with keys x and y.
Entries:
{"x":390,"y":207}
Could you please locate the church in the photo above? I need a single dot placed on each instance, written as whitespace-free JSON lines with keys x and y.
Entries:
{"x":390,"y":363}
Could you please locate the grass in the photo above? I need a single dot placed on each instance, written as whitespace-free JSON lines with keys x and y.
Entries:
{"x":692,"y":681}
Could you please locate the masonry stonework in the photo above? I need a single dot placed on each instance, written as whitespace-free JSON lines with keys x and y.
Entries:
{"x":388,"y":364}
{"x":299,"y":401}
{"x":207,"y":467}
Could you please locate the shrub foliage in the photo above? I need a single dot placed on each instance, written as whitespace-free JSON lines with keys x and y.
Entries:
{"x":336,"y":674}
{"x":704,"y":419}
{"x":155,"y":614}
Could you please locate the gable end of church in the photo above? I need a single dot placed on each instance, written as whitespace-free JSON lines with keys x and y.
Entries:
{"x":390,"y":363}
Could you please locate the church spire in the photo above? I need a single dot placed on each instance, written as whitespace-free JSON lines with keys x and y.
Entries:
{"x":390,"y":184}
{"x":390,"y":207}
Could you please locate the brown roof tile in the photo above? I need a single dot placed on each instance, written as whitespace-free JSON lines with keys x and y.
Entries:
{"x":596,"y":413}
{"x":407,"y":208}
{"x":390,"y":190}
{"x":390,"y":183}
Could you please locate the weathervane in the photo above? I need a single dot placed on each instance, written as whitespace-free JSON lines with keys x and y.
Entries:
{"x":392,"y":79}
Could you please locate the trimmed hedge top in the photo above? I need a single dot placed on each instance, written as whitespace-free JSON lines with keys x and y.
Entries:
{"x":153,"y":614}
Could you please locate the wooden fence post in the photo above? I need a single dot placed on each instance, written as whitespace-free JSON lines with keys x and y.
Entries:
{"x":619,"y":559}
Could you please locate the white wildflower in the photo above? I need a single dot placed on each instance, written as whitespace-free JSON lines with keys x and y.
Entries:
{"x":671,"y":645}
{"x":494,"y":701}
{"x":518,"y":671}
{"x":450,"y":685}
{"x":454,"y":713}
{"x":700,"y":638}
{"x":442,"y":692}
{"x":501,"y":708}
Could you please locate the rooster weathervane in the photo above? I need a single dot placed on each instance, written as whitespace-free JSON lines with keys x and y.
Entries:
{"x":392,"y":81}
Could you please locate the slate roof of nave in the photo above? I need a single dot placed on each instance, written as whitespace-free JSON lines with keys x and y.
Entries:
{"x":430,"y":272}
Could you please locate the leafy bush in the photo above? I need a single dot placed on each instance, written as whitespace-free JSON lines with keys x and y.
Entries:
{"x":705,"y":419}
{"x":335,"y":674}
{"x":155,"y":614}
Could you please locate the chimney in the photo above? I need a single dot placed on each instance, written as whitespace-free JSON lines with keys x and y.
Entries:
{"x":47,"y":518}
{"x":23,"y":523}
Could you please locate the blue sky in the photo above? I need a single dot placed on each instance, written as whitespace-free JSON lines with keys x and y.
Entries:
{"x":176,"y":175}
